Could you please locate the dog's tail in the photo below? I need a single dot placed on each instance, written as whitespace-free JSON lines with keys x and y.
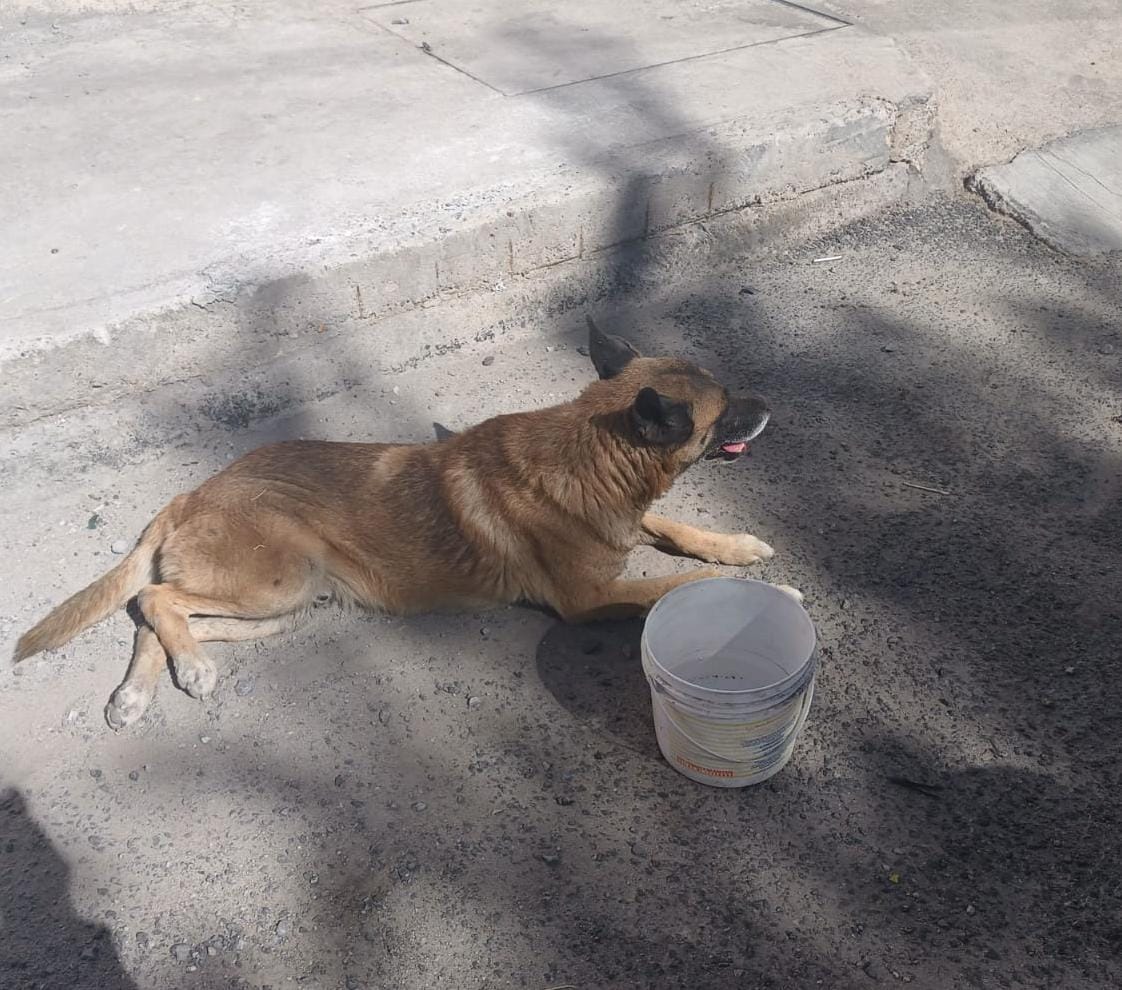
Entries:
{"x":107,"y":594}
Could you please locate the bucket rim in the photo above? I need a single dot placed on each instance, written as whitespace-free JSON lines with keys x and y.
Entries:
{"x":777,"y":688}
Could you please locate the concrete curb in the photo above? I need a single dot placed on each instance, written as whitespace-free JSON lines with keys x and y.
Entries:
{"x":578,"y":217}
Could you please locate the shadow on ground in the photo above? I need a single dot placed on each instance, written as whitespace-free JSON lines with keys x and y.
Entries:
{"x":44,"y":943}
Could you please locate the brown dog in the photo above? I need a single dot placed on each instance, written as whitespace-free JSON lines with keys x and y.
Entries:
{"x":541,"y":507}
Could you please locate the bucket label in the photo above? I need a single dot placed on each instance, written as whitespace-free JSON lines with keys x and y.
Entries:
{"x":708,"y":771}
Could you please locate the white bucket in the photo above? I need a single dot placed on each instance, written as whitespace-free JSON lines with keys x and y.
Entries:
{"x":731,"y":665}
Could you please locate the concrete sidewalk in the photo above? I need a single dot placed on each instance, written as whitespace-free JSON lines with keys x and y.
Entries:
{"x":175,"y":180}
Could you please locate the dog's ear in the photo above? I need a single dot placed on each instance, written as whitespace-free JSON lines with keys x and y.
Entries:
{"x":660,"y":421}
{"x":610,"y":354}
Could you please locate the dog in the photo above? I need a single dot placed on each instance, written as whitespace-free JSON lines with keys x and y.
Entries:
{"x":540,"y":507}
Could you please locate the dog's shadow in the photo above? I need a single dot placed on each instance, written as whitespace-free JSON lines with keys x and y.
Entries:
{"x":595,"y":671}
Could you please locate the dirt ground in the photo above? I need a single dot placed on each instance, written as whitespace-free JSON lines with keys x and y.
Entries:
{"x":477,"y":801}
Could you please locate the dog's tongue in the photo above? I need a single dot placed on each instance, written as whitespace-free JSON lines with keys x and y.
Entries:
{"x":734,"y":448}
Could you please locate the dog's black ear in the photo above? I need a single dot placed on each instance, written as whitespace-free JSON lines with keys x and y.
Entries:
{"x":442,"y":432}
{"x":610,"y":354}
{"x":660,"y":421}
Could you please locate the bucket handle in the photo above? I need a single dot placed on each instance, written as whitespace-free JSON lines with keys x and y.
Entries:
{"x":800,"y":721}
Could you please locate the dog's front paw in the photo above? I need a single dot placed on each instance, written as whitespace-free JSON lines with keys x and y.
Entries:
{"x":788,"y":590}
{"x":197,"y":675}
{"x":126,"y":705}
{"x":744,"y":549}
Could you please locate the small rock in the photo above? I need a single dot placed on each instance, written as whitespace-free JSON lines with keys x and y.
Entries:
{"x":419,"y":805}
{"x":181,"y":951}
{"x":119,"y":547}
{"x":396,"y":20}
{"x":142,"y":940}
{"x":1105,"y":349}
{"x":93,"y":522}
{"x":971,"y":910}
{"x":640,"y":851}
{"x":582,"y":351}
{"x":211,"y":949}
{"x":204,"y":739}
{"x":134,"y":775}
{"x":1069,"y":670}
{"x":282,"y":928}
{"x":474,"y":702}
{"x":563,"y":800}
{"x":888,"y":349}
{"x":551,"y":859}
{"x":96,"y":774}
{"x":485,"y":632}
{"x":339,"y":780}
{"x":488,"y":360}
{"x":89,"y":953}
{"x":244,"y":686}
{"x":384,"y":716}
{"x":747,"y":290}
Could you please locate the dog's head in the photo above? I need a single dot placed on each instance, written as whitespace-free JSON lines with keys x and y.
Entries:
{"x":674,"y":405}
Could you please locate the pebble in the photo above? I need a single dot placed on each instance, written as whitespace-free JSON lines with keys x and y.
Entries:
{"x":419,"y":805}
{"x":134,"y":775}
{"x":142,"y":940}
{"x":204,"y":739}
{"x":282,"y":928}
{"x":474,"y":702}
{"x":211,"y":950}
{"x":181,"y":951}
{"x":1106,"y":349}
{"x":96,"y":774}
{"x":485,"y":632}
{"x":971,"y":910}
{"x":119,"y":546}
{"x":244,"y":686}
{"x":582,"y":351}
{"x":551,"y":859}
{"x":488,"y":360}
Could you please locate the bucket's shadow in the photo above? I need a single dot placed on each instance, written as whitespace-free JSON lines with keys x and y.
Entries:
{"x":596,"y":672}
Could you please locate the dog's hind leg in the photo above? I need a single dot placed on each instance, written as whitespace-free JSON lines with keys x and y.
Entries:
{"x":136,"y":691}
{"x":149,"y":658}
{"x":215,"y":629}
{"x":680,"y":539}
{"x":167,"y":611}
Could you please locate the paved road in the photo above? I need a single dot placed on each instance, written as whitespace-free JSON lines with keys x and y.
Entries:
{"x":342,"y":814}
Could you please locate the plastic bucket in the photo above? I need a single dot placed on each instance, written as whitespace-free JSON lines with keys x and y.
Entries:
{"x":731,"y":665}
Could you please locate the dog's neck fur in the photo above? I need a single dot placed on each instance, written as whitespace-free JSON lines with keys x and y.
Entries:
{"x":582,"y":454}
